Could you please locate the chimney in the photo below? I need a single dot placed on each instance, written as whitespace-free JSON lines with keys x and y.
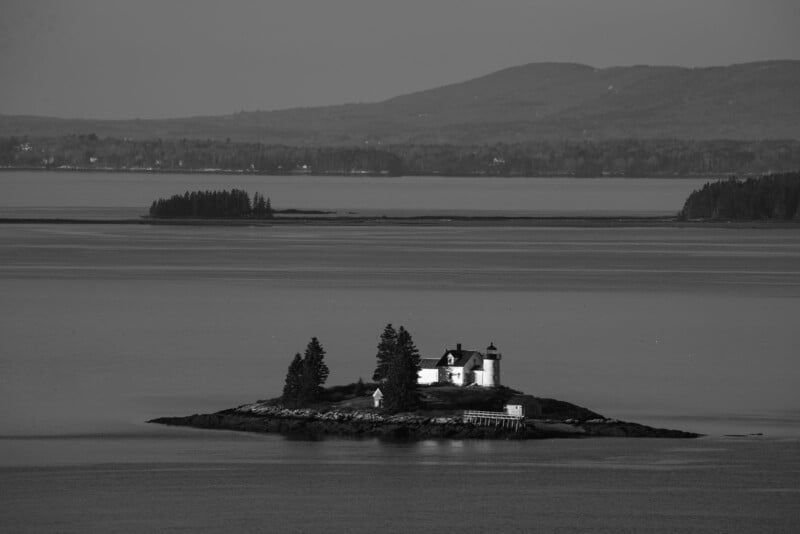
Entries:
{"x":458,"y":348}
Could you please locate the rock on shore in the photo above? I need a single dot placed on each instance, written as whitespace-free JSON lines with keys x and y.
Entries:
{"x":273,"y":419}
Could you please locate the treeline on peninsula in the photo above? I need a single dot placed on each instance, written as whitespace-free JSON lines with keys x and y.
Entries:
{"x":234,"y":204}
{"x":626,"y":157}
{"x":773,"y":197}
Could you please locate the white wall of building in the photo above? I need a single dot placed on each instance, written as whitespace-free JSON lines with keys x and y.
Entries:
{"x":456,"y":375}
{"x":478,"y":376}
{"x":491,"y":370}
{"x":487,"y":374}
{"x":514,"y":409}
{"x":427,"y":376}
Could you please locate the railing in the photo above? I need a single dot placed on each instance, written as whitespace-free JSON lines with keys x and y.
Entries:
{"x":493,"y":418}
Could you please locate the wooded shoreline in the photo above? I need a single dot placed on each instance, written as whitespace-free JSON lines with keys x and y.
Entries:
{"x":665,"y":175}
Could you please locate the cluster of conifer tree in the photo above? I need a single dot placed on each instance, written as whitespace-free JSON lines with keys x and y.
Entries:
{"x":396,"y":372}
{"x":233,"y":204}
{"x":775,"y":196}
{"x":306,"y":376}
{"x":397,"y":369}
{"x":616,"y":157}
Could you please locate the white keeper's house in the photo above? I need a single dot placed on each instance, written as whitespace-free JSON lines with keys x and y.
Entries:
{"x":462,"y":368}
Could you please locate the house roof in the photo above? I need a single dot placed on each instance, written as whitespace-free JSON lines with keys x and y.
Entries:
{"x":429,"y":363}
{"x":461,"y":357}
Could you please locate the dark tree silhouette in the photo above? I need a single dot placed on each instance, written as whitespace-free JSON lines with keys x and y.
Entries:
{"x":294,"y":383}
{"x":234,"y":204}
{"x":386,"y":349}
{"x":315,"y":373}
{"x":775,"y":196}
{"x":262,"y":208}
{"x":400,"y":388}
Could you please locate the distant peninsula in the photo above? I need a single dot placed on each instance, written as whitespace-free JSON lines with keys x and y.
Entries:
{"x":584,"y":158}
{"x":773,"y":197}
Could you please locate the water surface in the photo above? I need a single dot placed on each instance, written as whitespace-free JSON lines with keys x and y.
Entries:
{"x":221,"y":482}
{"x":115,"y":195}
{"x":104,"y":327}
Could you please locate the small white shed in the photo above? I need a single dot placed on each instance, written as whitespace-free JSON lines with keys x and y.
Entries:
{"x":523,"y":406}
{"x":377,"y":398}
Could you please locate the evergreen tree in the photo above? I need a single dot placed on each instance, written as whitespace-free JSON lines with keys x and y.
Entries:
{"x":400,"y":387}
{"x":268,"y":209}
{"x":261,"y":208}
{"x":315,"y":372}
{"x":294,"y":381}
{"x":234,"y":204}
{"x":386,"y":349}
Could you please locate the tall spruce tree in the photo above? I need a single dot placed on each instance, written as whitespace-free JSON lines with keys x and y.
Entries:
{"x":400,"y":388}
{"x":294,"y":382}
{"x":386,"y":349}
{"x":315,"y":372}
{"x":261,"y":207}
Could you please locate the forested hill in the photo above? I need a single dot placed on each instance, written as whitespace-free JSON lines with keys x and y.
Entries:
{"x":539,"y":101}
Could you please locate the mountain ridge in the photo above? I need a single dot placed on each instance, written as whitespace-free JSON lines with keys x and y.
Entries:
{"x":535,"y":101}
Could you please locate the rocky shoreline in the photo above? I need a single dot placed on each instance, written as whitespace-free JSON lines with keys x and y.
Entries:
{"x":362,"y":423}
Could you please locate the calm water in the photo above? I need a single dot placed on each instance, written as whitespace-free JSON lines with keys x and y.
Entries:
{"x":49,"y":194}
{"x":103,"y":327}
{"x":223,"y":482}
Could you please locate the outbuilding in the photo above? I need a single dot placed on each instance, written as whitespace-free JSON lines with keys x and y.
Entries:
{"x":377,"y":398}
{"x":523,"y":406}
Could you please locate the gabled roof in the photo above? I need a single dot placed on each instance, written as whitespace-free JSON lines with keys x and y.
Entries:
{"x":429,"y":363}
{"x":461,"y":357}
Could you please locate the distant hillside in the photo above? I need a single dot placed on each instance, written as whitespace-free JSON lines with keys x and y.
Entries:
{"x":539,"y":101}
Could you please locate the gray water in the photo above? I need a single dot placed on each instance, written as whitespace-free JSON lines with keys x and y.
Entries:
{"x":117,"y":195}
{"x":178,"y":480}
{"x":104,"y":327}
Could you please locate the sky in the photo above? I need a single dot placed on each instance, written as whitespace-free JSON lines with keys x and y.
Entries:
{"x":176,"y":58}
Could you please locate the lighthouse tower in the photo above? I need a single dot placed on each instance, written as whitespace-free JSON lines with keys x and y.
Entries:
{"x":491,"y":367}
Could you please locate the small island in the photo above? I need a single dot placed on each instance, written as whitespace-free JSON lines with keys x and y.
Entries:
{"x":455,"y":396}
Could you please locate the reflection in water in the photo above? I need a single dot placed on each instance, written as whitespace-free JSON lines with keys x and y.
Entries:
{"x":207,"y":481}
